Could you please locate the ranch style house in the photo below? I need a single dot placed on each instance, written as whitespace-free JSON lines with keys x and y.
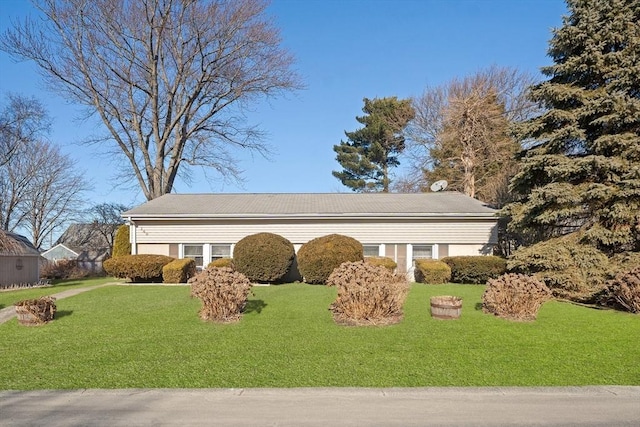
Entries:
{"x":403,"y":227}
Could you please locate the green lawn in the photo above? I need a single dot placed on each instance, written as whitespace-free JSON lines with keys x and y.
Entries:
{"x":150,"y":336}
{"x":8,"y":298}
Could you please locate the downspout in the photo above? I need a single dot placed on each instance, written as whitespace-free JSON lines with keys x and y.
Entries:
{"x":132,"y":236}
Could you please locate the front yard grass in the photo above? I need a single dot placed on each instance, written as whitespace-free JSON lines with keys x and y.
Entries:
{"x":10,"y":297}
{"x":151,"y":337}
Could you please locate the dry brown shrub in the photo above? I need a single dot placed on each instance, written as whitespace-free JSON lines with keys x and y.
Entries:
{"x":367,"y":294}
{"x":623,"y":292}
{"x":36,"y":311}
{"x":62,"y":269}
{"x":223,"y":293}
{"x":515,"y":296}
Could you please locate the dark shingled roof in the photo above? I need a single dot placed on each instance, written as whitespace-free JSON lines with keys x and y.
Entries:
{"x":252,"y":205}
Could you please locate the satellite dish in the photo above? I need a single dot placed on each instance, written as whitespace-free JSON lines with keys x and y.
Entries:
{"x":439,"y":185}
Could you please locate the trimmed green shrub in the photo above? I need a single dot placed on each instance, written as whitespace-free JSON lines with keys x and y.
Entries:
{"x":179,"y":271}
{"x":121,"y":245}
{"x":367,"y":294}
{"x":382,"y":261}
{"x":515,"y":296}
{"x":137,"y":268}
{"x":223,"y":293}
{"x":623,"y":292}
{"x":263,"y":257}
{"x":221,"y":262}
{"x":571,"y":270}
{"x":319,"y":257}
{"x":475,"y":269}
{"x":432,"y":271}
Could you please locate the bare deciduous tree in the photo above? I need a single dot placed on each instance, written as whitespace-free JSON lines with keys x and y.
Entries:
{"x":168,"y":78}
{"x":49,"y":190}
{"x":22,"y":120}
{"x":463,"y":133}
{"x":105,"y":220}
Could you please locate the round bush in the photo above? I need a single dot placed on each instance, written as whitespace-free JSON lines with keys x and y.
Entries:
{"x":319,"y":257}
{"x":137,"y":268}
{"x":263,"y":257}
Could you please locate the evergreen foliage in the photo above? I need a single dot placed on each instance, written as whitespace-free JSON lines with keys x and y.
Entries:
{"x":319,"y":257}
{"x":475,"y":269}
{"x":263,"y":257}
{"x":571,"y":270}
{"x":581,"y":171}
{"x":432,"y":271}
{"x":179,"y":271}
{"x":121,"y":244}
{"x":137,"y":268}
{"x":370,"y":152}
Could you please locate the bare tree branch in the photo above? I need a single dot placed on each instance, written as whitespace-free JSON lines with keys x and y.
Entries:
{"x":169,"y":79}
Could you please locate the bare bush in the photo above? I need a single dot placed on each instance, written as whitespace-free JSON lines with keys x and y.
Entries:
{"x":36,"y":311}
{"x":367,"y":294}
{"x":623,"y":291}
{"x":62,"y":269}
{"x":515,"y":296}
{"x":223,"y":293}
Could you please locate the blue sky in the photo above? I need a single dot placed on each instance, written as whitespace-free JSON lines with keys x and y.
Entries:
{"x":345,"y":50}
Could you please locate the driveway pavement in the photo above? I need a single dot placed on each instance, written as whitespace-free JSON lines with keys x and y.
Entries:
{"x":557,"y":406}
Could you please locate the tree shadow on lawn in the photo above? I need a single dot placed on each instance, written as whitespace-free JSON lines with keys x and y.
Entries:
{"x":254,"y":305}
{"x":478,"y":306}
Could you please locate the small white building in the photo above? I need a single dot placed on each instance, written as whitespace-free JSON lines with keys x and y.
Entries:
{"x":403,"y":227}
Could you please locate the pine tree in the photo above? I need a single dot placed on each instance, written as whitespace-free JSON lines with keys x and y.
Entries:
{"x":370,"y":152}
{"x":581,"y":173}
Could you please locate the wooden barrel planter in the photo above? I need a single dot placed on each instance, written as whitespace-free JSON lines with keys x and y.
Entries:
{"x":34,"y":312}
{"x":446,"y":307}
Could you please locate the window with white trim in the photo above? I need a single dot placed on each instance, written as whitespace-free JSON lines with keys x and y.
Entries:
{"x":371,"y":250}
{"x":194,"y":252}
{"x":422,"y":252}
{"x":220,"y":251}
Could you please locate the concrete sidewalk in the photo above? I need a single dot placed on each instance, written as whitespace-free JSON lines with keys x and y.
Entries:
{"x":509,"y":406}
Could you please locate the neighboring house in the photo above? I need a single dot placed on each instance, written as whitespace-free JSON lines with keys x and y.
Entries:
{"x":19,"y":260}
{"x":403,"y":227}
{"x":88,"y":244}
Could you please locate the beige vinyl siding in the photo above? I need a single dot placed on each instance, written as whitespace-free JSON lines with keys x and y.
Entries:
{"x":155,"y":249}
{"x":466,"y":250}
{"x":301,"y":231}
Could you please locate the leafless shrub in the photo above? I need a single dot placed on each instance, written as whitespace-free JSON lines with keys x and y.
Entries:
{"x":223,"y":293}
{"x":36,"y":311}
{"x":515,"y":296}
{"x":623,"y":291}
{"x":367,"y":294}
{"x":62,"y":269}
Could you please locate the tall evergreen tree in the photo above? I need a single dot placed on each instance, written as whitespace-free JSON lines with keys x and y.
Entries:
{"x":581,"y":173}
{"x":370,"y":152}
